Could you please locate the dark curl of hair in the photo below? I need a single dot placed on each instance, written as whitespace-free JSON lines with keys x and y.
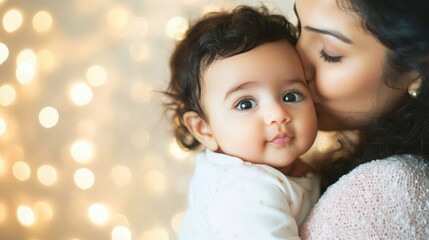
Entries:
{"x":403,"y":28}
{"x":215,"y":36}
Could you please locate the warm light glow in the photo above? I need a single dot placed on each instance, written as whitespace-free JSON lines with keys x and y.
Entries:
{"x":84,"y":178}
{"x":7,"y":95}
{"x":140,"y":51}
{"x":3,"y":126}
{"x":46,"y":60}
{"x":177,"y":152}
{"x":12,"y":20}
{"x":4,"y":52}
{"x":26,"y":56}
{"x":139,"y":27}
{"x":120,"y":220}
{"x":25,"y":215}
{"x":26,"y":66}
{"x":122,"y":233}
{"x":141,"y":92}
{"x":3,"y":212}
{"x":98,"y":213}
{"x":81,"y":94}
{"x":155,"y":181}
{"x":25,"y":72}
{"x":155,"y":233}
{"x":21,"y":171}
{"x":140,"y":138}
{"x":42,"y":21}
{"x":176,"y":221}
{"x":48,"y":117}
{"x":210,"y":8}
{"x":177,"y":27}
{"x":2,"y":166}
{"x":82,"y":151}
{"x":43,"y":211}
{"x":153,"y":160}
{"x":121,"y":175}
{"x":117,"y":18}
{"x":96,"y":75}
{"x":47,"y":175}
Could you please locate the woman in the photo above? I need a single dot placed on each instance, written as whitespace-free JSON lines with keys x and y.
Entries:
{"x":367,"y":65}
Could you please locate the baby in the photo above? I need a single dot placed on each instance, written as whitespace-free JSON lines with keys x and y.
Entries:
{"x":238,"y":89}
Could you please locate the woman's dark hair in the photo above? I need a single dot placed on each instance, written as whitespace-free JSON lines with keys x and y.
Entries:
{"x":403,"y":28}
{"x":215,"y":36}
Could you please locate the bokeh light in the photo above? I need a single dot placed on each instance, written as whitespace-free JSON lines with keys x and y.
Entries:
{"x":7,"y":95}
{"x":118,"y":17}
{"x":177,"y":152}
{"x":82,"y":151}
{"x":48,"y":117}
{"x":96,"y":75}
{"x":4,"y":52}
{"x":46,"y":60}
{"x":43,"y":211}
{"x":47,"y":175}
{"x":12,"y":20}
{"x":98,"y":213}
{"x":177,"y":27}
{"x":21,"y":171}
{"x":121,"y":233}
{"x":25,"y":215}
{"x":84,"y":178}
{"x":3,"y":126}
{"x":42,"y":21}
{"x":86,"y":151}
{"x":81,"y":94}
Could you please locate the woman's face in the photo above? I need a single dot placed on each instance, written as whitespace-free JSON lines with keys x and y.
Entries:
{"x":343,"y":65}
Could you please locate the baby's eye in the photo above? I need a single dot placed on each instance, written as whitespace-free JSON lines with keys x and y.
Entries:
{"x":245,"y":104}
{"x":292,"y":97}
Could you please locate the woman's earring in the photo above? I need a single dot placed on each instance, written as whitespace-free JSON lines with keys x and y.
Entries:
{"x":413,"y":88}
{"x":413,"y":93}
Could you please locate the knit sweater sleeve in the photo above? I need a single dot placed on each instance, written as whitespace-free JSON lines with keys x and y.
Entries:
{"x":383,"y":199}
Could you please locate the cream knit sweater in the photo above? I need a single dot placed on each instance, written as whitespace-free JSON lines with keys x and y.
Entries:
{"x":383,"y":199}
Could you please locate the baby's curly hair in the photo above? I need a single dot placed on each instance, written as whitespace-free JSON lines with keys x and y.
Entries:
{"x":216,"y":35}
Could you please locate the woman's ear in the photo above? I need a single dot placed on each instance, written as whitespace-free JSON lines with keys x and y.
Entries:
{"x":414,"y":87}
{"x":200,"y":129}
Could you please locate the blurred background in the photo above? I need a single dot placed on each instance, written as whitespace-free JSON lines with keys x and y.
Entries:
{"x":85,"y":150}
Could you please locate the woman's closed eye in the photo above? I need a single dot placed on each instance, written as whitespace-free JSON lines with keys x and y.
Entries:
{"x":328,"y":58}
{"x":292,"y":97}
{"x":245,"y":104}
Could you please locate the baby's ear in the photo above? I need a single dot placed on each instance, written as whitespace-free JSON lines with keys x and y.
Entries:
{"x":200,"y":129}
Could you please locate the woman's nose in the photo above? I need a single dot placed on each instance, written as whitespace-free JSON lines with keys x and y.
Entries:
{"x":276,"y":114}
{"x":305,"y":59}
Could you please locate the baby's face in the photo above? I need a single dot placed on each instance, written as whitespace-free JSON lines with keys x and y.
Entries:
{"x":258,"y":106}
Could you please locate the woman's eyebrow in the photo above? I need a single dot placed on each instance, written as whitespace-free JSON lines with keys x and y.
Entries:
{"x":333,"y":33}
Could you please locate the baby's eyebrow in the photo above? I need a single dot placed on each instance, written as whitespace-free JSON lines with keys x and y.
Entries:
{"x":239,"y":87}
